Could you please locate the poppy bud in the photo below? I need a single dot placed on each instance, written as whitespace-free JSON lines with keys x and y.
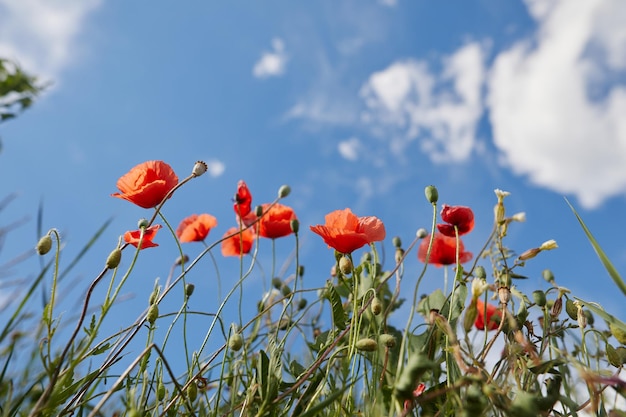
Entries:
{"x":153,"y":313}
{"x":189,"y":290}
{"x":399,"y":255}
{"x":397,"y":242}
{"x":302,"y":304}
{"x":421,"y":233}
{"x":539,"y":297}
{"x":295,"y":225}
{"x":387,"y":340}
{"x":366,"y":344}
{"x":154,"y":295}
{"x":570,"y":309}
{"x":345,"y":265}
{"x":376,"y":306}
{"x":142,"y":223}
{"x":44,"y":245}
{"x":300,"y":271}
{"x":432,"y":195}
{"x":235,"y":341}
{"x":285,"y":290}
{"x":284,"y":191}
{"x":277,"y":282}
{"x":114,"y":258}
{"x":199,"y":168}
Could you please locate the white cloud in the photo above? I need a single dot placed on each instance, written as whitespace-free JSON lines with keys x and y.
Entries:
{"x":272,"y":64}
{"x":410,"y":102}
{"x":556,"y":109}
{"x":215,"y":167}
{"x":41,"y":34}
{"x":350,"y":148}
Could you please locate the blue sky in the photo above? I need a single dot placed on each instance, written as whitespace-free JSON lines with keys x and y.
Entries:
{"x":355,"y":104}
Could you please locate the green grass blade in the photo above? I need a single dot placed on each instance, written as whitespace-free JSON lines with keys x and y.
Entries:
{"x":603,"y":258}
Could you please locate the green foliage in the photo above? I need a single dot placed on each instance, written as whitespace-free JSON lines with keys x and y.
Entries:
{"x":353,"y":350}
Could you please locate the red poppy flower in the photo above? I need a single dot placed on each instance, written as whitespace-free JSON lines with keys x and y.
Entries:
{"x":239,"y":244}
{"x":195,"y":228}
{"x":276,"y":221}
{"x":147,"y":184}
{"x":243,"y":199}
{"x":460,"y":216}
{"x":133,"y":237}
{"x":443,"y":251}
{"x":494,"y":315}
{"x":345,"y":232}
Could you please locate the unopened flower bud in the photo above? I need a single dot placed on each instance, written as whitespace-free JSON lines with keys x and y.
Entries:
{"x":556,"y":307}
{"x":618,"y":333}
{"x":571,"y":309}
{"x":432,"y":195}
{"x":529,"y":254}
{"x":44,"y":245}
{"x":142,"y":223}
{"x":153,"y":313}
{"x":300,"y":271}
{"x":345,"y":265}
{"x":387,"y":340}
{"x":258,"y":210}
{"x":302,"y":304}
{"x":479,"y":272}
{"x":501,"y":194}
{"x":160,"y":391}
{"x":284,"y":191}
{"x":277,"y":283}
{"x":582,"y":318}
{"x":114,"y":258}
{"x":399,"y":255}
{"x":235,"y":341}
{"x":285,"y":290}
{"x":376,"y":306}
{"x":397,"y":242}
{"x":192,"y":391}
{"x":366,"y":344}
{"x":295,"y":225}
{"x":199,"y":168}
{"x":539,"y":297}
{"x":421,"y":233}
{"x":548,"y":276}
{"x":189,"y":290}
{"x":548,"y":245}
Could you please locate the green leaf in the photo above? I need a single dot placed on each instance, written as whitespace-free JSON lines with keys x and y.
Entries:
{"x":339,"y":315}
{"x":546,"y":366}
{"x":596,"y":308}
{"x":603,"y":258}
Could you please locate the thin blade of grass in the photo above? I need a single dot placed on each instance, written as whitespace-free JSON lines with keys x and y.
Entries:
{"x":84,"y":250}
{"x":603,"y":258}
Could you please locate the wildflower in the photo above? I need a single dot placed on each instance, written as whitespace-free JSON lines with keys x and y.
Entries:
{"x":134,"y":237}
{"x":195,"y":228}
{"x":147,"y":184}
{"x":44,"y":245}
{"x":548,"y":245}
{"x":345,"y":232}
{"x":459,"y":217}
{"x":479,"y":286}
{"x":494,"y":315}
{"x":409,"y":404}
{"x":238,"y":244}
{"x":243,"y":199}
{"x":275,"y":221}
{"x":443,"y":251}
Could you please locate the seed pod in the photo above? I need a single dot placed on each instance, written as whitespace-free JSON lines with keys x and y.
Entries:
{"x":366,"y":344}
{"x":114,"y":258}
{"x":432,"y":195}
{"x":571,"y":310}
{"x":44,"y":245}
{"x":345,"y":265}
{"x":284,"y":191}
{"x":302,"y":304}
{"x":189,"y":290}
{"x":539,"y":297}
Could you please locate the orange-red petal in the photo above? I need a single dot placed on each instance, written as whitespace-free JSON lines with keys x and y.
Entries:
{"x":275,"y":221}
{"x":494,"y":315}
{"x":460,"y":216}
{"x":345,"y":232}
{"x":133,"y":237}
{"x":195,"y":228}
{"x":147,"y":184}
{"x":238,"y":244}
{"x":443,"y":251}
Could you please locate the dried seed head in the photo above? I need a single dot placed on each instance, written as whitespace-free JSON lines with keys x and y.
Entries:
{"x":199,"y":168}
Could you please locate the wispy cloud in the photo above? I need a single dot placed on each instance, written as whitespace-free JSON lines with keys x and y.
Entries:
{"x":42,"y":35}
{"x":441,"y":110}
{"x":556,"y":105}
{"x":272,"y":63}
{"x":215,"y":167}
{"x":350,"y":148}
